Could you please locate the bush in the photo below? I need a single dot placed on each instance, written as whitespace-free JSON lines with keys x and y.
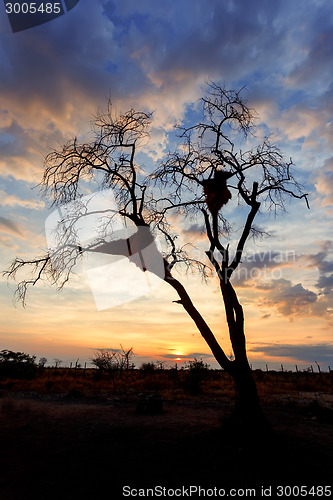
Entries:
{"x":17,"y":365}
{"x":113,"y":359}
{"x":148,"y":368}
{"x":196,"y":373}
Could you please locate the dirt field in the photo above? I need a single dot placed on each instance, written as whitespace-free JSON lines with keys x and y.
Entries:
{"x":57,"y":446}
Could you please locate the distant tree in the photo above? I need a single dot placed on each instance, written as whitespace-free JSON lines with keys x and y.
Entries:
{"x":111,"y":360}
{"x":148,"y":368}
{"x":7,"y":356}
{"x":127,"y":355}
{"x":105,"y":359}
{"x":77,"y":364}
{"x":57,"y":362}
{"x":17,"y":365}
{"x":197,"y":180}
{"x":42,"y":362}
{"x":197,"y":365}
{"x":196,"y":372}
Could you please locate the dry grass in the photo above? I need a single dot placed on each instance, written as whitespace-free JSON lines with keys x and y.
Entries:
{"x":70,"y":434}
{"x":170,"y":384}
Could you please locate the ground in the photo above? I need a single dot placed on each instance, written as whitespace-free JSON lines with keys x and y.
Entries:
{"x":66,"y":445}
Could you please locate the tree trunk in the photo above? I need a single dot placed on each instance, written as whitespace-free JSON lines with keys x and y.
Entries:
{"x":247,"y":394}
{"x":253,"y":425}
{"x":254,"y":428}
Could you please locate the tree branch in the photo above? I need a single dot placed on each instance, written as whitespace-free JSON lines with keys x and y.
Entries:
{"x":202,"y":326}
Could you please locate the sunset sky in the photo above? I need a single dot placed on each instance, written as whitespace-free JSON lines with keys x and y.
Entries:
{"x":157,"y":56}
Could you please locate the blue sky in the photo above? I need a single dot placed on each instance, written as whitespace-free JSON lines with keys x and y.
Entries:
{"x":157,"y":56}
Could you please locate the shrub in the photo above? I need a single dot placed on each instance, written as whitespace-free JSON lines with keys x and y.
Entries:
{"x":113,"y":359}
{"x":196,"y":372}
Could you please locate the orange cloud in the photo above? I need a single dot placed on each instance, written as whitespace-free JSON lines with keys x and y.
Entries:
{"x":324,"y":184}
{"x":11,"y":200}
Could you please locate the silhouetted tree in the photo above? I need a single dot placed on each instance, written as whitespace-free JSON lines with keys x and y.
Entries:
{"x":111,"y":360}
{"x":57,"y":362}
{"x":196,"y":372}
{"x":192,"y":177}
{"x":17,"y":365}
{"x":204,"y":172}
{"x":42,"y":362}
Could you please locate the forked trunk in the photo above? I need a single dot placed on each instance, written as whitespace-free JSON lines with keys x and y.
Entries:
{"x":253,"y":424}
{"x":248,"y":410}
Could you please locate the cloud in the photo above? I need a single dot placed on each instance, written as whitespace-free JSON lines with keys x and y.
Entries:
{"x":315,"y":63}
{"x":323,"y":261}
{"x":13,"y":201}
{"x":324,"y":184}
{"x":319,"y":259}
{"x":53,"y":79}
{"x":307,"y":122}
{"x":262,"y":266}
{"x":325,"y":283}
{"x":6,"y":241}
{"x":10,"y":227}
{"x":309,"y":353}
{"x":289,"y":299}
{"x":19,"y":152}
{"x":11,"y":230}
{"x":196,"y":230}
{"x":150,"y":55}
{"x":301,"y":121}
{"x":263,"y":274}
{"x":191,"y":355}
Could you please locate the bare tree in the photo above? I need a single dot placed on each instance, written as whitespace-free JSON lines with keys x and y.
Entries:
{"x":111,"y":360}
{"x":57,"y":362}
{"x":196,"y":177}
{"x":199,"y":178}
{"x":42,"y":362}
